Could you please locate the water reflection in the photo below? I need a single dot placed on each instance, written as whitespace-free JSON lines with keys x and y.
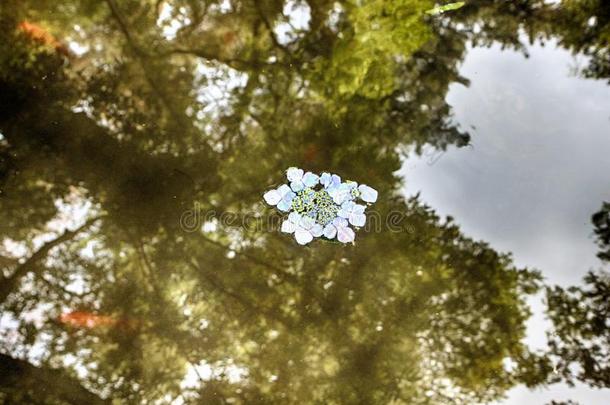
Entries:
{"x":185,"y":104}
{"x":534,"y":174}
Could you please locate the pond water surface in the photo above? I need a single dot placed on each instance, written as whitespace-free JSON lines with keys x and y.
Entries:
{"x":140,"y":264}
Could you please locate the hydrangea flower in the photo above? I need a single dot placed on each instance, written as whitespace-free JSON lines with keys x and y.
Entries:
{"x":345,"y":234}
{"x":339,"y":228}
{"x":281,"y":197}
{"x":321,"y":206}
{"x":298,"y":180}
{"x":304,"y":228}
{"x":330,"y":181}
{"x":353,"y":212}
{"x":343,"y":192}
{"x":368,"y":194}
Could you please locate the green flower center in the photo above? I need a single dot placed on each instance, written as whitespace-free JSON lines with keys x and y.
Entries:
{"x":304,"y":202}
{"x":326,"y":209}
{"x":318,"y":205}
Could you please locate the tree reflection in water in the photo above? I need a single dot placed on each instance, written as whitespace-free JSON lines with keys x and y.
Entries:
{"x":123,"y":115}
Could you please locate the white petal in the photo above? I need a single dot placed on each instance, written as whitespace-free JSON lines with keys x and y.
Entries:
{"x":307,"y":222}
{"x":330,"y":231}
{"x":288,"y":226}
{"x":294,"y":174}
{"x":294,"y":217}
{"x":337,"y":222}
{"x":357,"y":219}
{"x":334,"y":183}
{"x":367,"y":193}
{"x":310,"y":179}
{"x":342,"y":193}
{"x":302,"y":236}
{"x":343,"y":213}
{"x":297,"y":185}
{"x":284,"y":205}
{"x":283,"y":190}
{"x":358,"y":209}
{"x":339,"y":196}
{"x":317,"y":230}
{"x":345,"y":234}
{"x":272,"y":197}
{"x":348,"y":206}
{"x":325,"y":179}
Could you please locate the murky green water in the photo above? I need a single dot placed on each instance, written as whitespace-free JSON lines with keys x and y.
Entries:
{"x":140,"y":263}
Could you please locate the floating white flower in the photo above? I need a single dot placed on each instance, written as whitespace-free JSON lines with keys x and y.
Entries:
{"x":339,"y":228}
{"x":320,"y":206}
{"x":281,"y":197}
{"x":304,"y":228}
{"x":299,"y":181}
{"x":290,"y":224}
{"x":330,"y":181}
{"x":343,"y":192}
{"x":330,"y":231}
{"x":345,"y":234}
{"x":368,"y":194}
{"x":353,"y":212}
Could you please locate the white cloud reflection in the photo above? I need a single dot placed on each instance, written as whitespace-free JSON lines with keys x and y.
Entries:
{"x":538,"y":169}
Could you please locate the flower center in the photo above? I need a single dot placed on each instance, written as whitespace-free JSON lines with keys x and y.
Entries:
{"x":304,"y":202}
{"x":326,"y":209}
